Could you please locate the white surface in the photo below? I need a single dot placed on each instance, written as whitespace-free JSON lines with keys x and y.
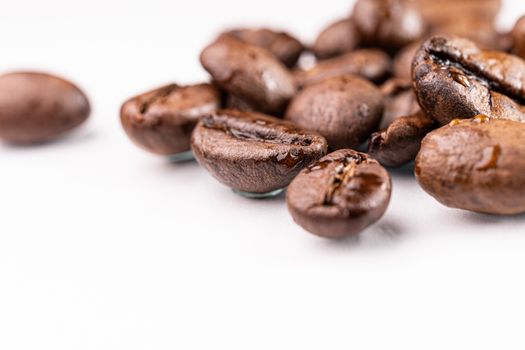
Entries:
{"x":103,"y":246}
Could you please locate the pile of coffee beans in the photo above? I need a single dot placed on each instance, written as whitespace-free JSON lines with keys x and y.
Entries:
{"x":394,"y":82}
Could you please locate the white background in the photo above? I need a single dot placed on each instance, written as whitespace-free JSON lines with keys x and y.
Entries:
{"x":103,"y":246}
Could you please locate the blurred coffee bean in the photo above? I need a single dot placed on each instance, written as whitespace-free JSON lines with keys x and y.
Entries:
{"x":401,"y":141}
{"x":476,"y":164}
{"x":161,"y":121}
{"x":440,"y":12}
{"x":337,"y":39}
{"x":403,"y":61}
{"x":483,"y":33}
{"x":249,"y":72}
{"x":400,"y":101}
{"x":389,"y":24}
{"x":37,"y":107}
{"x":371,"y":64}
{"x":454,"y":79}
{"x":518,"y":38}
{"x":345,"y":110}
{"x":282,"y":45}
{"x":340,"y":195}
{"x":252,"y":152}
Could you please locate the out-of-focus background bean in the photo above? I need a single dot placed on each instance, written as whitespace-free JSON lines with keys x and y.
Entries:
{"x":103,"y":246}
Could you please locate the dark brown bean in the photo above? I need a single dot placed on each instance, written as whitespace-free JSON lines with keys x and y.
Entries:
{"x":249,"y":72}
{"x":476,"y":164}
{"x":518,"y":38}
{"x":371,"y":64}
{"x":282,"y":45}
{"x":340,"y":195}
{"x":400,"y":101}
{"x":442,"y":12}
{"x":161,"y":121}
{"x":337,"y":39}
{"x":345,"y":110}
{"x":252,"y":152}
{"x":401,"y":141}
{"x":389,"y":24}
{"x":404,"y":59}
{"x":38,"y":107}
{"x":453,"y":78}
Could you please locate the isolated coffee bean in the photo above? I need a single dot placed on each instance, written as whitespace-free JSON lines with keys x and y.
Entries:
{"x":400,"y":101}
{"x":337,"y":39}
{"x":252,"y":152}
{"x":249,"y":72}
{"x":454,"y":79}
{"x":340,"y":195}
{"x":389,"y":24}
{"x":371,"y":64}
{"x":401,"y":141}
{"x":38,"y":107}
{"x":161,"y":121}
{"x":404,"y":59}
{"x":475,"y":164}
{"x":282,"y":45}
{"x":345,"y":110}
{"x":518,"y":38}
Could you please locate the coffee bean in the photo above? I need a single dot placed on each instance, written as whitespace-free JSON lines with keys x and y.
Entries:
{"x":252,"y":152}
{"x":340,"y":195}
{"x":235,"y":102}
{"x":404,"y":59}
{"x":282,"y":45}
{"x":337,"y":39}
{"x":476,"y":164}
{"x":453,"y":78}
{"x":249,"y":72}
{"x":389,"y":24}
{"x":518,"y":38}
{"x":401,"y":141}
{"x":371,"y":64}
{"x":161,"y":121}
{"x":442,"y":12}
{"x":482,"y":32}
{"x":345,"y":110}
{"x":38,"y":107}
{"x":400,"y":101}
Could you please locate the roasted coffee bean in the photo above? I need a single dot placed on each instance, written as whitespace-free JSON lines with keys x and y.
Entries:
{"x":441,"y":12}
{"x":235,"y":102}
{"x":252,"y":152}
{"x":518,"y":38}
{"x":454,"y":79}
{"x":476,"y":164}
{"x":38,"y":107}
{"x":249,"y":72}
{"x":400,"y":101}
{"x":340,"y":195}
{"x":401,"y":141}
{"x":483,"y":33}
{"x":389,"y":24}
{"x":345,"y":110}
{"x":337,"y":39}
{"x":371,"y":64}
{"x":282,"y":45}
{"x":161,"y":121}
{"x":404,"y":59}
